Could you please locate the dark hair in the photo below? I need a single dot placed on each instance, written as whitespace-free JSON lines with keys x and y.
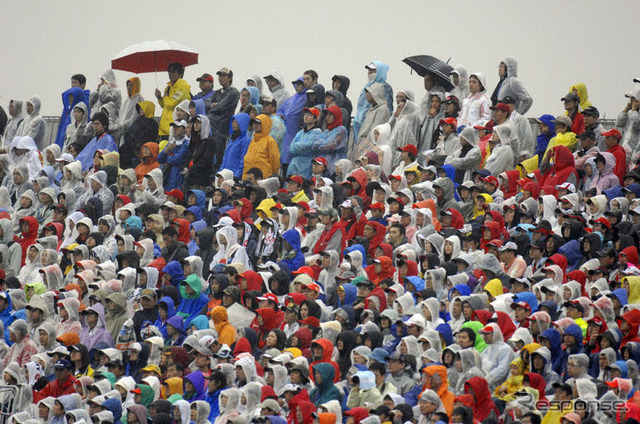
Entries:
{"x":399,"y":226}
{"x":378,"y":366}
{"x":470,"y":333}
{"x":441,"y":416}
{"x":219,"y":377}
{"x":80,"y":78}
{"x":257,"y":172}
{"x":313,"y":74}
{"x":534,"y":418}
{"x":170,"y":231}
{"x":97,"y":236}
{"x":178,"y":365}
{"x":102,"y":118}
{"x":150,"y":235}
{"x":176,"y":67}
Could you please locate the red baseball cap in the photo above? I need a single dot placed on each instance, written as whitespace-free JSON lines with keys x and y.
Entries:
{"x":178,"y":194}
{"x":491,"y":180}
{"x":395,"y":199}
{"x":487,"y":329}
{"x":395,"y":177}
{"x":312,"y":110}
{"x":521,"y":304}
{"x":296,"y":179}
{"x":450,"y":121}
{"x":304,"y":270}
{"x":312,"y":286}
{"x":277,"y":206}
{"x":501,"y":106}
{"x":613,"y":133}
{"x":320,"y":160}
{"x":269,"y":296}
{"x":378,"y":206}
{"x":495,"y":243}
{"x":409,"y":148}
{"x":137,"y":391}
{"x":205,"y":77}
{"x":603,"y":221}
{"x":312,"y":321}
{"x":304,"y":205}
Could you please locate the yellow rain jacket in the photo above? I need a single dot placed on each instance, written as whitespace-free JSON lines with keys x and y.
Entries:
{"x":263,"y":151}
{"x":581,"y":90}
{"x":173,"y":95}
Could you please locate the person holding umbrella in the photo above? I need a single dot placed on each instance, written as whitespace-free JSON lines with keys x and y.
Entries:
{"x":177,"y":90}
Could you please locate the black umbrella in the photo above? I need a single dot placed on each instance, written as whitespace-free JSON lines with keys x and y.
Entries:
{"x":424,"y":64}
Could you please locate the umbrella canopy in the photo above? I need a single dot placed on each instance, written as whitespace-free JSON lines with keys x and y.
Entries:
{"x":153,"y":56}
{"x":424,"y":64}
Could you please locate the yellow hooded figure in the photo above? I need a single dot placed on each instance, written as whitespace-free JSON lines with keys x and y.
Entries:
{"x":494,"y":288}
{"x":264,"y":210}
{"x":514,"y":382}
{"x":632,"y":284}
{"x":478,"y":206}
{"x":581,"y":90}
{"x":148,"y":108}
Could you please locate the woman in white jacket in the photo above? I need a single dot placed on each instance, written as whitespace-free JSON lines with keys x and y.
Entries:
{"x":476,"y":107}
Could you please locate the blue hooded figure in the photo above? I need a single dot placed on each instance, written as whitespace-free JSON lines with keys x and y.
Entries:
{"x":360,"y":248}
{"x":177,"y":322}
{"x":254,"y":97}
{"x":291,"y":109}
{"x":201,"y":200}
{"x":555,"y":338}
{"x":621,"y":295}
{"x":174,"y":269}
{"x":445,"y":331}
{"x":463,"y":289}
{"x":196,"y":379}
{"x":543,"y":139}
{"x":237,"y":145}
{"x":115,"y":406}
{"x":571,"y":251}
{"x":6,"y":316}
{"x":529,"y":298}
{"x":451,"y":174}
{"x":292,"y":255}
{"x":417,"y":283}
{"x":350,"y":295}
{"x":197,"y":227}
{"x":65,"y":119}
{"x":382,"y":69}
{"x":575,"y":331}
{"x":167,"y":304}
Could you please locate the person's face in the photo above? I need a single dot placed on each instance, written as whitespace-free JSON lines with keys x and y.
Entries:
{"x":521,"y":314}
{"x":426,"y":407}
{"x":17,"y":178}
{"x":98,"y":128}
{"x":610,"y":142}
{"x":394,"y":235}
{"x":308,"y":81}
{"x":463,"y":340}
{"x":502,"y":69}
{"x":474,"y":85}
{"x":569,"y":105}
{"x":435,"y":102}
{"x":467,"y":311}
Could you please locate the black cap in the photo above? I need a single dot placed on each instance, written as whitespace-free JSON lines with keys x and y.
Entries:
{"x":591,"y":111}
{"x":380,"y":410}
{"x":574,"y":304}
{"x":588,"y":134}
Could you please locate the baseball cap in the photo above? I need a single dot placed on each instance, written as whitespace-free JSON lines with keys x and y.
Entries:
{"x":521,"y":304}
{"x":63,"y":364}
{"x":613,"y":133}
{"x":398,"y":357}
{"x":225,"y":71}
{"x":452,"y":99}
{"x":567,"y":186}
{"x":320,"y":160}
{"x":371,"y":65}
{"x":152,"y":367}
{"x":65,"y":157}
{"x":269,"y":296}
{"x":449,"y":121}
{"x":60,"y":350}
{"x":491,"y":180}
{"x":271,"y":404}
{"x":508,"y":246}
{"x":296,"y":179}
{"x":380,"y":355}
{"x":565,"y":120}
{"x":345,"y":275}
{"x":409,"y":148}
{"x":313,"y":286}
{"x":574,"y":304}
{"x":487,"y":329}
{"x":591,"y":111}
{"x":205,"y":77}
{"x":501,"y":106}
{"x":289,"y":387}
{"x":178,"y":194}
{"x":347,"y":204}
{"x":181,"y":123}
{"x":635,"y":94}
{"x":571,"y":97}
{"x":377,"y":206}
{"x":312,"y":110}
{"x":148,"y":293}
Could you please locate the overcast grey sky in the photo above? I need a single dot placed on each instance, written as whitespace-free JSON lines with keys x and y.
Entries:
{"x":557,"y":43}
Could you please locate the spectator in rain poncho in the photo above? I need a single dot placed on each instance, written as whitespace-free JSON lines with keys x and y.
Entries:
{"x":129,"y":112}
{"x":377,"y":73}
{"x":377,"y":113}
{"x":71,"y":99}
{"x":34,"y":125}
{"x":14,"y":125}
{"x":106,"y":92}
{"x":24,"y":152}
{"x":99,"y":189}
{"x":501,"y":158}
{"x":291,"y":109}
{"x":510,"y":85}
